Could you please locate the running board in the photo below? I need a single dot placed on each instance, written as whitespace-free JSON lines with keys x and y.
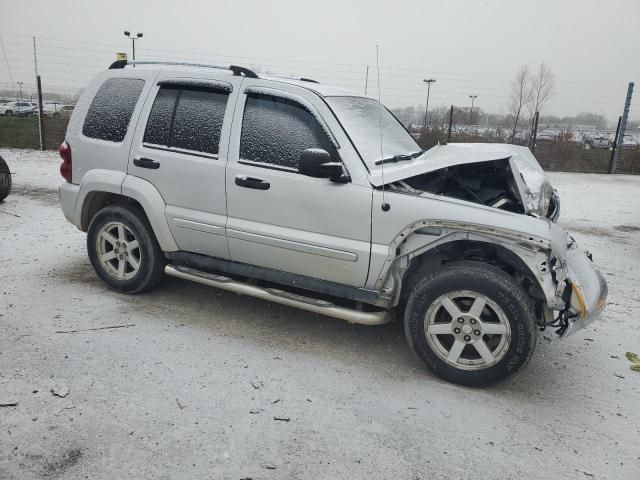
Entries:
{"x":322,"y":307}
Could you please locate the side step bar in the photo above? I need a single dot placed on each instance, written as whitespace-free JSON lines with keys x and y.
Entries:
{"x":279,"y":296}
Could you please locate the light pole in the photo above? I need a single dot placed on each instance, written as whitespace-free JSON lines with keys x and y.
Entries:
{"x":473,"y":98}
{"x":428,"y":81}
{"x":20,"y":87}
{"x":133,"y":38}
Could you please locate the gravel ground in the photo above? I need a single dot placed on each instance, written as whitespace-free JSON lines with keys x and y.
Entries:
{"x":209,"y":384}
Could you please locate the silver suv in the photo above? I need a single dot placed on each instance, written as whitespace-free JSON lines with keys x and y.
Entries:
{"x":223,"y":177}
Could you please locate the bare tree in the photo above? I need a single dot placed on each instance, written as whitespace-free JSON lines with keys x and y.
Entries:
{"x":519,"y":98}
{"x":542,"y":86}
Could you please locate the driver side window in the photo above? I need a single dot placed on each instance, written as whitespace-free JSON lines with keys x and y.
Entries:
{"x":276,"y":130}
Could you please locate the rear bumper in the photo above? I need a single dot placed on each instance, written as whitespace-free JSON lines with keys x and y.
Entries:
{"x":68,"y":193}
{"x":589,"y":290}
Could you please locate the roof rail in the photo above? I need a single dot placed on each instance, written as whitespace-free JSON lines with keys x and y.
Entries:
{"x":291,"y":77}
{"x":237,"y":70}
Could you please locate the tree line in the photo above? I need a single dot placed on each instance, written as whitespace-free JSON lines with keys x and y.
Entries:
{"x":530,"y":91}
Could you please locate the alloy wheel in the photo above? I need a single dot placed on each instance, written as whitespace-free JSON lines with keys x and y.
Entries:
{"x":467,"y":330}
{"x":118,"y":251}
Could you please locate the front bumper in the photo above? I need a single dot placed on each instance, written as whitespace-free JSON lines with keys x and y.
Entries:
{"x":588,"y":290}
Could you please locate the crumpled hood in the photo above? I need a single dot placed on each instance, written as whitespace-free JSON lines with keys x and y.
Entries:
{"x":532,"y":182}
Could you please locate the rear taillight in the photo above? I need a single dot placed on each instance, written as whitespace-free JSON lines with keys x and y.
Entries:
{"x":65,"y":166}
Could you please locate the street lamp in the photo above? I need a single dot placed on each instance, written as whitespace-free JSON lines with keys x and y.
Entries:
{"x":20,"y":87}
{"x":133,"y":38}
{"x":472,"y":97}
{"x":428,"y":81}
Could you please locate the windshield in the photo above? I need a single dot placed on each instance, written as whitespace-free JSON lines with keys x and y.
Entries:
{"x":360,"y":118}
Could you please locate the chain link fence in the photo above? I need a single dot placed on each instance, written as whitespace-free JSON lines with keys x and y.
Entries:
{"x":554,"y":154}
{"x":562,"y":152}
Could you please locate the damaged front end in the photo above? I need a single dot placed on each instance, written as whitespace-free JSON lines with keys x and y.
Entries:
{"x":501,"y":176}
{"x":585,"y":294}
{"x":507,"y":178}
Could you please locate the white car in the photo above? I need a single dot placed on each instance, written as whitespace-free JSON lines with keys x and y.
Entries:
{"x":221,"y":176}
{"x":629,"y":142}
{"x":51,"y":109}
{"x":601,"y":142}
{"x":18,"y":109}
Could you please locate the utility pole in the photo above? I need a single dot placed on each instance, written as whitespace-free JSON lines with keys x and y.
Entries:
{"x":133,"y":38}
{"x":615,"y":142}
{"x":450,"y":124}
{"x":428,"y":81}
{"x":39,"y":88}
{"x":20,"y":87}
{"x":366,"y":80}
{"x":623,"y":127}
{"x":473,"y":98}
{"x":535,"y":132}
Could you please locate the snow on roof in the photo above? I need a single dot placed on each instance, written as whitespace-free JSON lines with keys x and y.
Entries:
{"x":322,"y":89}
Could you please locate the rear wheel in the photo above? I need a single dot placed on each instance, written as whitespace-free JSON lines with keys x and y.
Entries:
{"x":470,"y":323}
{"x":123,"y":249}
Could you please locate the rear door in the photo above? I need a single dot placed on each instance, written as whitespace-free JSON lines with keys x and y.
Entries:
{"x":181,"y":147}
{"x":279,"y":218}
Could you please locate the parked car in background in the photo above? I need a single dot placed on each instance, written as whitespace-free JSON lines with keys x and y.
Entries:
{"x":5,"y":180}
{"x":19,"y":109}
{"x":600,"y":142}
{"x":65,"y":111}
{"x":545,"y":137}
{"x":629,"y":143}
{"x":51,"y":109}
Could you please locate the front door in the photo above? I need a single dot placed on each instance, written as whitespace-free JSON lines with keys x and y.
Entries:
{"x":278,"y":218}
{"x":182,"y":150}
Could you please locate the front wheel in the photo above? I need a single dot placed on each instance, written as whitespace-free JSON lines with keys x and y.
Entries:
{"x":123,"y":249}
{"x":471,"y":323}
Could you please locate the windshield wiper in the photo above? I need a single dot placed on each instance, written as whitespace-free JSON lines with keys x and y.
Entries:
{"x":400,"y":158}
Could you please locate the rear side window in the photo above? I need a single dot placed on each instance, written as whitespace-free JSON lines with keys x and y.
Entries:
{"x":187,"y":118}
{"x":110,"y":112}
{"x":277,"y":130}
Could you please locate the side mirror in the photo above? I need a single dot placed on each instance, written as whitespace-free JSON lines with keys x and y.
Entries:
{"x":315,"y":162}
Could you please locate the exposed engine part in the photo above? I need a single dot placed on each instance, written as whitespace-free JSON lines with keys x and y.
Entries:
{"x":488,"y":183}
{"x":561,"y":323}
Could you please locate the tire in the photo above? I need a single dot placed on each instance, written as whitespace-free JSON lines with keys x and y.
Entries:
{"x":470,"y":349}
{"x":8,"y":113}
{"x":115,"y":260}
{"x":5,"y":180}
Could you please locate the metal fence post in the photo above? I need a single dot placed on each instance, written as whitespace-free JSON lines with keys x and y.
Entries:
{"x":623,"y":126}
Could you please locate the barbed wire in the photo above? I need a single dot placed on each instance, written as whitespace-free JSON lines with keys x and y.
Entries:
{"x":402,"y":85}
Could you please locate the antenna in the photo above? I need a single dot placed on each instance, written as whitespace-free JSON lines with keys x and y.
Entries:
{"x":385,"y":206}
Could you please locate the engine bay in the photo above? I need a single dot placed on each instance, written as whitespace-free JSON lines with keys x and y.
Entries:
{"x":488,"y":183}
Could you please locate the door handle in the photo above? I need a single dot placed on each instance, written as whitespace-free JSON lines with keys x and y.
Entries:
{"x":250,"y":182}
{"x":146,"y":163}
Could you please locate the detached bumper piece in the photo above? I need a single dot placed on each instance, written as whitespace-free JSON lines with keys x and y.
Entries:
{"x":588,"y":292}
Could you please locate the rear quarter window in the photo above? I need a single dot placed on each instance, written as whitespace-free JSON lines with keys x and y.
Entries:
{"x":110,"y":112}
{"x":187,"y":118}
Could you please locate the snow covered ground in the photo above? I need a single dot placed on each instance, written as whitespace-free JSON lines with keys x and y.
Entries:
{"x":195,"y":385}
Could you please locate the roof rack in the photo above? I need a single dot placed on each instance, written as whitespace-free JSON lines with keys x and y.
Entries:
{"x":234,"y":68}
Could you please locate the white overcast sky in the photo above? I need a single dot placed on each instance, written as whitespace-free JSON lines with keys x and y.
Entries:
{"x":470,"y":47}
